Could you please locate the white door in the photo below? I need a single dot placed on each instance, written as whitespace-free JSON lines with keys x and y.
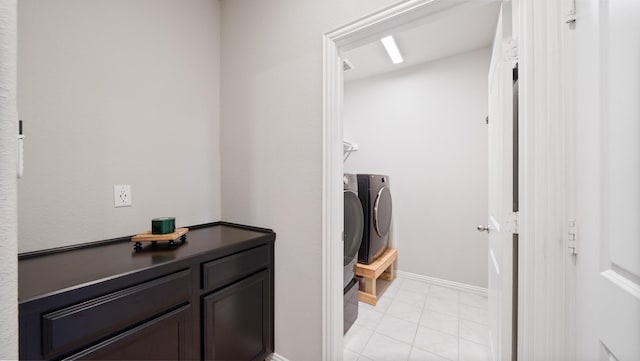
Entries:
{"x":607,"y":186}
{"x":501,"y":214}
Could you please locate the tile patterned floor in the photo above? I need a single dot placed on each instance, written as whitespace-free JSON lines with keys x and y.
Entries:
{"x":416,"y":321}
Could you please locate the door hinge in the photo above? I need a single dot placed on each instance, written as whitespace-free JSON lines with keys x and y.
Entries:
{"x":511,"y":50}
{"x":570,"y":11}
{"x":572,"y":242}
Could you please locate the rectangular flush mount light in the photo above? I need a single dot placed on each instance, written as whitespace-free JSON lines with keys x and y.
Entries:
{"x":392,"y":49}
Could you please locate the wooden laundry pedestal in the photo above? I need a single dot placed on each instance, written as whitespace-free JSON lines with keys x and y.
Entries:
{"x":380,"y":268}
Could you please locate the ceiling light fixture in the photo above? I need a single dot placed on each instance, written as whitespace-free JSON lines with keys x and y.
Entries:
{"x":392,"y":49}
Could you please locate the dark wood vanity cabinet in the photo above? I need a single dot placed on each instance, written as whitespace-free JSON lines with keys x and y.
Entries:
{"x":211,"y":298}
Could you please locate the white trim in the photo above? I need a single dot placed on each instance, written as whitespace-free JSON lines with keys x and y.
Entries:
{"x":541,"y":312}
{"x":332,"y":222}
{"x":400,"y":16}
{"x":568,"y":65}
{"x":276,"y":357}
{"x":622,"y":282}
{"x":8,"y":181}
{"x":444,"y":283}
{"x":359,"y":32}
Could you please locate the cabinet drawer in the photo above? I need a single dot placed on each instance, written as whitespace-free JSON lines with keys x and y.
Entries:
{"x":228,"y":269}
{"x":167,"y":337}
{"x":72,"y":327}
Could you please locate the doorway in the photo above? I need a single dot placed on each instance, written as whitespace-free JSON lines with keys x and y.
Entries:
{"x":422,"y":123}
{"x":336,"y":44}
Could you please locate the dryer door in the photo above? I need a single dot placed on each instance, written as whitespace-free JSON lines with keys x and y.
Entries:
{"x":382,"y":212}
{"x":353,"y":226}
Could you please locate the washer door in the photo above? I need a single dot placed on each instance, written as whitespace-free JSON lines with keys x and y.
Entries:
{"x":353,"y":226}
{"x":382,"y":212}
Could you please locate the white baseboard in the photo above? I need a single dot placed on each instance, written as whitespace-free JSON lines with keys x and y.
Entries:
{"x":275,"y":357}
{"x":444,"y":283}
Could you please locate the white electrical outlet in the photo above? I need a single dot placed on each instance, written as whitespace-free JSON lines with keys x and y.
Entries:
{"x":122,"y":196}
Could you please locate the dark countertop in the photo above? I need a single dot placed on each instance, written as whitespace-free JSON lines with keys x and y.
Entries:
{"x":57,"y":272}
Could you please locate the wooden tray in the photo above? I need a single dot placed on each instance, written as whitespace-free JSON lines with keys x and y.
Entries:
{"x":148,"y":237}
{"x":153,"y":238}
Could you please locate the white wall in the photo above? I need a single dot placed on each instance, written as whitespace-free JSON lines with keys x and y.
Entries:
{"x":272,"y":145}
{"x":117,"y":92}
{"x":425,"y":127}
{"x":8,"y":186}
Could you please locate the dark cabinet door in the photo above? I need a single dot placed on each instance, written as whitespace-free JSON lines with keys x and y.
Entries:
{"x":237,"y":320}
{"x":167,"y":337}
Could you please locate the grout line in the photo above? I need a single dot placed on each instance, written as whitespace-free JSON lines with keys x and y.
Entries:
{"x":424,"y":303}
{"x":459,"y":331}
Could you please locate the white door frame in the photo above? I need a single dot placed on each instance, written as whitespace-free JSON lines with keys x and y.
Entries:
{"x":543,"y":333}
{"x":541,"y":326}
{"x":8,"y":180}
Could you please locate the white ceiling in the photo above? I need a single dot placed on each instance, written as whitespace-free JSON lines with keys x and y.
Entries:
{"x":460,"y":32}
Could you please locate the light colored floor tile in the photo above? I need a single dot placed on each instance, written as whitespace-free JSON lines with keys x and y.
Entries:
{"x":349,"y":355}
{"x":475,"y":314}
{"x":420,"y":355}
{"x":397,"y":329}
{"x":364,"y":358}
{"x":473,"y":300}
{"x":416,"y":321}
{"x":415,"y":286}
{"x":368,"y":316}
{"x":383,"y":304}
{"x":356,"y":338}
{"x":410,"y":297}
{"x":405,"y":311}
{"x":439,"y":322}
{"x":475,"y":332}
{"x":443,"y":305}
{"x":444,"y":292}
{"x":470,"y":351}
{"x":436,"y":342}
{"x":365,"y":306}
{"x":383,"y":348}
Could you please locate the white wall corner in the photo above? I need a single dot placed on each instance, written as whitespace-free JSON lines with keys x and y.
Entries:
{"x":8,"y":182}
